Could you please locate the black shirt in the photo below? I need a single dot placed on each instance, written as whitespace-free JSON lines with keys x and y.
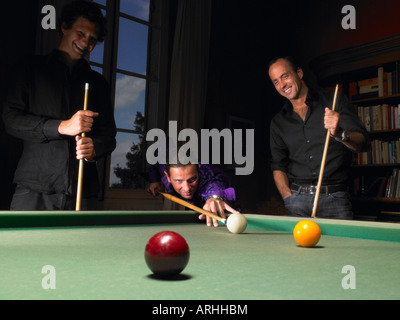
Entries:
{"x":45,"y":91}
{"x":297,"y":147}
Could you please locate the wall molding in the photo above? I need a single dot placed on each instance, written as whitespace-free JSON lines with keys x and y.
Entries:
{"x":329,"y":68}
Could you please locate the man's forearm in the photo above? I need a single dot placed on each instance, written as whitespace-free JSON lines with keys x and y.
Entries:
{"x":282,"y":183}
{"x":356,"y":141}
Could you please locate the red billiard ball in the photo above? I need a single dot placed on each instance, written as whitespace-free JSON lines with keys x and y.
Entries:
{"x":167,"y":253}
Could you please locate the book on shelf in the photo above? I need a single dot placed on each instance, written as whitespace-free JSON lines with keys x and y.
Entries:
{"x":383,"y":85}
{"x":368,"y":95}
{"x":369,"y":88}
{"x":393,"y":185}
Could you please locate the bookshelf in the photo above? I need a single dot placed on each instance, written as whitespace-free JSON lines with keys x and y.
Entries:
{"x":369,"y":74}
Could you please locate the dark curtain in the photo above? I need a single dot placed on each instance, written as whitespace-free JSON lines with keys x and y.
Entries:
{"x":190,"y":64}
{"x":189,"y":68}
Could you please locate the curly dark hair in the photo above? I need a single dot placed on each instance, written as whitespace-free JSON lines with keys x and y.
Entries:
{"x":85,"y":9}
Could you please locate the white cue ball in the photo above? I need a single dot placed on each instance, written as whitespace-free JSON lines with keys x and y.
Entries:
{"x":236,"y":223}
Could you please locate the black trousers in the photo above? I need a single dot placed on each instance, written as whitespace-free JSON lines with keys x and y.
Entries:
{"x":25,"y":199}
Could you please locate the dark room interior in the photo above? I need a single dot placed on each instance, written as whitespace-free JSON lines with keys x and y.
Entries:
{"x":244,"y":36}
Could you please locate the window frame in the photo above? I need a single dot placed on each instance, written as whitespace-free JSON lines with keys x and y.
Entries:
{"x":155,"y":95}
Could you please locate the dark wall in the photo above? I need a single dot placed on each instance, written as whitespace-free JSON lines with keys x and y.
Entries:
{"x":246,"y":35}
{"x":18,"y":32}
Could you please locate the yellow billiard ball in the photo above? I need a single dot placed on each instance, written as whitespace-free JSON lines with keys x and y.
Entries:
{"x":307,"y":233}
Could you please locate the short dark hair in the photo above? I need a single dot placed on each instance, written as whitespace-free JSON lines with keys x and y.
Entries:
{"x":179,"y":165}
{"x":289,"y":59}
{"x":85,"y":9}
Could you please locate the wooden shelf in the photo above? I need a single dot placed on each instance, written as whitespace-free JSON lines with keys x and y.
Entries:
{"x":375,"y":165}
{"x":376,"y":199}
{"x":395,"y":200}
{"x":390,"y":212}
{"x":346,"y":65}
{"x":384,"y":131}
{"x":376,"y":100}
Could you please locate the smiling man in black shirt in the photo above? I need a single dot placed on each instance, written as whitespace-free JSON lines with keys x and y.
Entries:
{"x":297,"y":139}
{"x":44,"y":109}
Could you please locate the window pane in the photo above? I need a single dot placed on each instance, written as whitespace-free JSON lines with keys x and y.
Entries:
{"x":136,"y":8}
{"x":103,"y":2}
{"x":127,"y":161}
{"x":97,"y":54}
{"x":129,"y":100}
{"x":97,"y":69}
{"x":132,"y":46}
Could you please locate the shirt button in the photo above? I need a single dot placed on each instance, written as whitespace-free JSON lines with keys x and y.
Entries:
{"x":308,"y":141}
{"x":310,"y":157}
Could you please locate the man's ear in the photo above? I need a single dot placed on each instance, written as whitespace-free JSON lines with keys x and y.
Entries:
{"x":300,"y":73}
{"x":62,"y":27}
{"x":166,"y":174}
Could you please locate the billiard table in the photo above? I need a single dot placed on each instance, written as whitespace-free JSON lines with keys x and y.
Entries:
{"x":100,"y":255}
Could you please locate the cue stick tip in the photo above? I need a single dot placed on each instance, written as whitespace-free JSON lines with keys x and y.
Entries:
{"x":86,"y":86}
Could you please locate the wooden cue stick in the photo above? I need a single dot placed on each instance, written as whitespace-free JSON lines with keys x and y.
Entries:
{"x":321,"y":173}
{"x":81,"y":161}
{"x":193,"y":207}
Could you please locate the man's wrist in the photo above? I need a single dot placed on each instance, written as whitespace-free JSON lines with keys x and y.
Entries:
{"x":341,"y":135}
{"x":338,"y":133}
{"x":214,"y":196}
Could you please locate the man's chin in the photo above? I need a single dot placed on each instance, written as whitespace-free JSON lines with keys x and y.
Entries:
{"x":187,"y":197}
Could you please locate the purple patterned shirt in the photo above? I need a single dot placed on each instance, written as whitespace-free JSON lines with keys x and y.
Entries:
{"x":212,"y":181}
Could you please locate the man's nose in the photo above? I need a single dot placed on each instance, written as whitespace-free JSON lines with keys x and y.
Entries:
{"x":84,"y":41}
{"x":282,"y":84}
{"x":185,"y":186}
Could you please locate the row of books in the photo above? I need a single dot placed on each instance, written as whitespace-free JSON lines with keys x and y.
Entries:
{"x":392,"y":189}
{"x":382,"y":152}
{"x":384,"y":84}
{"x":380,"y":117}
{"x":387,"y":187}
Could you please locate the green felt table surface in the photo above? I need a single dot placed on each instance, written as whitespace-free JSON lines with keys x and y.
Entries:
{"x":100,"y":255}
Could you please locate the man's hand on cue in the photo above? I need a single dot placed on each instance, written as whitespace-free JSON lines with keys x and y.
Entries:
{"x":217,"y":207}
{"x":81,"y":121}
{"x":85,"y":148}
{"x":154,"y":188}
{"x":331,"y":121}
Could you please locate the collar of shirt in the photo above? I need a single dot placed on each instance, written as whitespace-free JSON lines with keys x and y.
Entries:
{"x":311,"y":99}
{"x":61,"y":57}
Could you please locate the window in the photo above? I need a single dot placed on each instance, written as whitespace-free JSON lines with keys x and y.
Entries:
{"x":122,"y":59}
